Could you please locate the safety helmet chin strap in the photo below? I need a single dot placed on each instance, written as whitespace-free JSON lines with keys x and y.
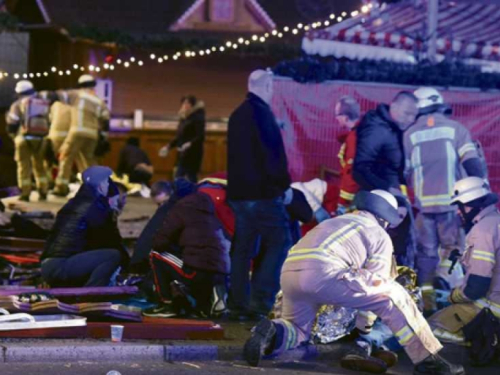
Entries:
{"x":383,"y":223}
{"x":468,"y":217}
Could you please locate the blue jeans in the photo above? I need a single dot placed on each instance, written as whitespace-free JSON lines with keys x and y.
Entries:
{"x":262,"y":233}
{"x":88,"y":268}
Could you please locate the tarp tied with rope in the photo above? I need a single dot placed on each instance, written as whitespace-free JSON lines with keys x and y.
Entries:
{"x":394,"y":31}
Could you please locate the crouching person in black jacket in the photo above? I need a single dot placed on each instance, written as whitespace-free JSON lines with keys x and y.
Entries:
{"x":192,"y":280}
{"x":84,"y":247}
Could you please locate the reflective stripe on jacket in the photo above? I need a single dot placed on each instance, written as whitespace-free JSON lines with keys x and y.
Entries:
{"x":434,"y":148}
{"x":349,"y":241}
{"x":482,"y":255}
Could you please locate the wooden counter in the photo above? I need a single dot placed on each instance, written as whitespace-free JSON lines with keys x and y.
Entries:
{"x":214,"y":157}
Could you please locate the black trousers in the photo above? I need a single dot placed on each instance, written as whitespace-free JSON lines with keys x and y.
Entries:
{"x":167,"y":268}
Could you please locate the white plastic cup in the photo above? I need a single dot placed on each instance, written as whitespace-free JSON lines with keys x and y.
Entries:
{"x":116,"y":333}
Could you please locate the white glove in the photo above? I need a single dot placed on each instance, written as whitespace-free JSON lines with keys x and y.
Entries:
{"x":4,"y":219}
{"x":184,"y":147}
{"x":163,"y":151}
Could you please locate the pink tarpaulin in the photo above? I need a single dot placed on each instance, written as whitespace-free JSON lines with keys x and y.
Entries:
{"x":306,"y":113}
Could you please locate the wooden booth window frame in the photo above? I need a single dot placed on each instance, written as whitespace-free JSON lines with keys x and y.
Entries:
{"x":222,"y":11}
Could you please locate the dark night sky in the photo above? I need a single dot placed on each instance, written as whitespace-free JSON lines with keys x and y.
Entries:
{"x":312,"y":10}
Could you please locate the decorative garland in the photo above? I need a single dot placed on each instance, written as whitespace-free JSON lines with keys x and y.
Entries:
{"x":309,"y":69}
{"x":171,"y":42}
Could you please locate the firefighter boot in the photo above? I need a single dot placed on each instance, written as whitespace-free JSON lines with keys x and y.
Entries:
{"x":435,"y":364}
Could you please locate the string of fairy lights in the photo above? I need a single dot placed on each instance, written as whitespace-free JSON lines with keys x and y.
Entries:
{"x":241,"y":42}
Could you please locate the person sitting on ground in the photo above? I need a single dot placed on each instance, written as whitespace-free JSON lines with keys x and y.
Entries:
{"x":480,"y":288}
{"x":81,"y":249}
{"x":347,"y":261}
{"x":199,"y":273}
{"x":135,"y":163}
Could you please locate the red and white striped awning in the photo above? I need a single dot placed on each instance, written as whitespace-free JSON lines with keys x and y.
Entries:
{"x":394,"y":31}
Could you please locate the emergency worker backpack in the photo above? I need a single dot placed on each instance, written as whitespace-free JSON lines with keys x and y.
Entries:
{"x":36,"y":119}
{"x":483,"y":332}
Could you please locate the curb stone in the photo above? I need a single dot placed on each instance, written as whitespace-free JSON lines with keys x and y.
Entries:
{"x":86,"y":352}
{"x":127,"y":352}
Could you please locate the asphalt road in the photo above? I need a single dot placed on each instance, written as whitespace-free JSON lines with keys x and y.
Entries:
{"x":201,"y":368}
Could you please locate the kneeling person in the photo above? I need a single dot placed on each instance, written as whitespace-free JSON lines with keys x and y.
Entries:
{"x":481,"y":287}
{"x":80,"y":250}
{"x":346,"y":261}
{"x":201,"y":261}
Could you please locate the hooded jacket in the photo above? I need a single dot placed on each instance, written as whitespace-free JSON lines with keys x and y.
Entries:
{"x":191,"y":129}
{"x":379,"y":161}
{"x":144,"y":244}
{"x":193,"y":226}
{"x":85,"y":223}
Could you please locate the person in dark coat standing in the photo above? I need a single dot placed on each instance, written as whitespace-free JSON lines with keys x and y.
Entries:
{"x":192,"y":230}
{"x":258,"y":190}
{"x":189,"y":139}
{"x":379,"y":162}
{"x":84,"y":248}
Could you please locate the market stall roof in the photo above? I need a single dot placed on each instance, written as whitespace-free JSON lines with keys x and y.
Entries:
{"x":395,"y":31}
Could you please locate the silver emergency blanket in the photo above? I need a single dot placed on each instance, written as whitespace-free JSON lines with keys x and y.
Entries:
{"x":332,"y":323}
{"x":335,"y":322}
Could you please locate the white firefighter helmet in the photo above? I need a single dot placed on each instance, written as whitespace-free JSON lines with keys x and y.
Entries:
{"x":428,"y":96}
{"x":23,"y":86}
{"x":86,"y":79}
{"x":469,"y":189}
{"x":380,"y":203}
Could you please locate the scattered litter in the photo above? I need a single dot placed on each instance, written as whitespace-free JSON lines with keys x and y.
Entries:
{"x":248,"y":367}
{"x":191,"y":365}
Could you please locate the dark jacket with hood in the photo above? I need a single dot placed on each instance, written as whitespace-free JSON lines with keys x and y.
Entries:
{"x":85,"y":223}
{"x":192,"y":225}
{"x":144,"y":244}
{"x":191,"y":129}
{"x":257,"y":166}
{"x":379,"y":161}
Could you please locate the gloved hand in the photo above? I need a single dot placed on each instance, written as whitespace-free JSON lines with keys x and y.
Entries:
{"x":184,"y":147}
{"x":341,"y":210}
{"x":321,"y":215}
{"x":288,"y":197}
{"x":4,"y":219}
{"x":457,"y":296}
{"x":164,"y":151}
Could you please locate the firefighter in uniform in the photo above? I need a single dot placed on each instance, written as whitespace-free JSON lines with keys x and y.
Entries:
{"x":89,"y":116}
{"x":481,"y":260}
{"x":347,"y":113}
{"x":346,"y":261}
{"x":436,"y":148}
{"x":28,"y":124}
{"x":60,"y":121}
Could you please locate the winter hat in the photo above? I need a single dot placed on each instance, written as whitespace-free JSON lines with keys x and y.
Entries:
{"x":95,"y":175}
{"x":183,"y":187}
